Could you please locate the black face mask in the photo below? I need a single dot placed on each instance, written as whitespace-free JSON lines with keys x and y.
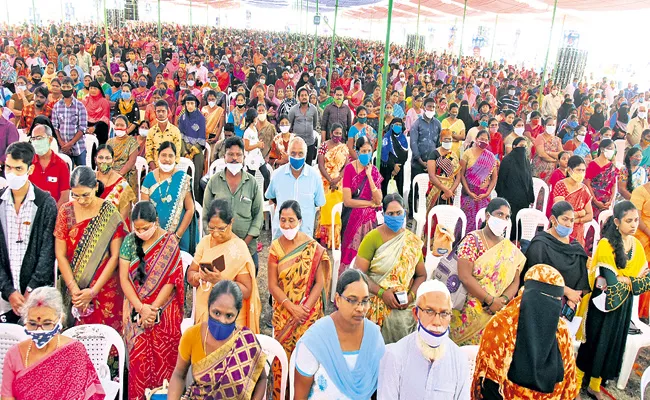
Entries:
{"x":67,"y":93}
{"x":69,"y":51}
{"x":58,"y":49}
{"x":36,"y":81}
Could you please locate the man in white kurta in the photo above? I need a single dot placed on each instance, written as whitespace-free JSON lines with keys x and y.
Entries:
{"x":426,"y":364}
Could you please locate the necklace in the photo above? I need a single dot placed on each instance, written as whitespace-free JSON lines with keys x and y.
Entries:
{"x":166,"y":198}
{"x":29,"y":349}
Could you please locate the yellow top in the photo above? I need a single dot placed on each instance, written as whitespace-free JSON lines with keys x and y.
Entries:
{"x":191,"y":345}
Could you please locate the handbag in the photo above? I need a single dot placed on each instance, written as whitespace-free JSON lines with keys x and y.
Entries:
{"x":447,"y":273}
{"x":392,"y":186}
{"x":443,"y":239}
{"x":159,"y":393}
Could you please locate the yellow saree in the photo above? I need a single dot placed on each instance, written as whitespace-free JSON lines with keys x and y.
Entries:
{"x":335,"y":160}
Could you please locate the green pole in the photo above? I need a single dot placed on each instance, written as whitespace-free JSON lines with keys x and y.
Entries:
{"x":417,"y":34}
{"x":462,"y":31}
{"x":159,"y":34}
{"x":108,"y":49}
{"x":207,"y":11}
{"x":494,"y":36}
{"x":329,"y":78}
{"x":548,"y":50}
{"x":384,"y":82}
{"x":306,"y":28}
{"x":315,"y":35}
{"x":33,"y":12}
{"x":191,"y":34}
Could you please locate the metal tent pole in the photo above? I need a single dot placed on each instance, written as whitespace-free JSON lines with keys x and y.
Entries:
{"x":548,"y":50}
{"x":417,"y":34}
{"x":331,"y":65}
{"x":494,"y":36}
{"x":384,"y":82}
{"x":108,"y":48}
{"x":316,"y":35}
{"x":462,"y":31}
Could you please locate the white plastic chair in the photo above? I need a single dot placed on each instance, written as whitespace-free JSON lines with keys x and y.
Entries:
{"x":620,"y":152}
{"x":67,"y":160}
{"x":471,"y":352}
{"x":98,"y":340}
{"x":645,"y":379}
{"x":186,"y":259}
{"x":336,"y":251}
{"x":217,"y":165}
{"x":457,"y":195}
{"x":603,"y":216}
{"x":54,"y":146}
{"x":91,"y":142}
{"x":3,"y":183}
{"x":419,"y":214}
{"x":530,"y":219}
{"x":140,"y":165}
{"x":633,"y":345}
{"x":596,"y":228}
{"x":186,"y":163}
{"x":292,"y":374}
{"x":538,"y":186}
{"x":448,"y":216}
{"x":259,"y":179}
{"x":407,"y":175}
{"x":10,"y":334}
{"x":199,"y":209}
{"x":274,"y":349}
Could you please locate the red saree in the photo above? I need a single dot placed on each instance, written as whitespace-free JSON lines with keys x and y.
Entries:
{"x":578,"y":199}
{"x":153,"y":352}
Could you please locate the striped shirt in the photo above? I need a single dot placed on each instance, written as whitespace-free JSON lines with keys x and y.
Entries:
{"x":70,"y":120}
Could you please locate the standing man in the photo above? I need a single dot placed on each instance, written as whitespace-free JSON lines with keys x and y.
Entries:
{"x":70,"y":121}
{"x":27,"y":219}
{"x":156,"y":67}
{"x":335,"y":113}
{"x":637,"y":125}
{"x":84,"y":60}
{"x":509,"y":101}
{"x":304,"y":117}
{"x":51,"y":173}
{"x":425,"y":135}
{"x":162,"y":131}
{"x":38,"y":107}
{"x":238,"y":187}
{"x":299,"y":182}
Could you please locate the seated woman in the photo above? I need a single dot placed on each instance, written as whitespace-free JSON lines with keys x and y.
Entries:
{"x":127,"y":107}
{"x":116,"y":189}
{"x":170,"y":192}
{"x":89,"y":232}
{"x":215,"y":348}
{"x":224,"y":256}
{"x":392,"y":257}
{"x":279,"y":154}
{"x":48,"y":366}
{"x":361,"y":199}
{"x":572,"y":189}
{"x":555,"y":247}
{"x":329,"y":366}
{"x":488,"y":267}
{"x":601,"y":177}
{"x":151,"y":277}
{"x":299,"y":272}
{"x":556,"y":176}
{"x":360,"y":128}
{"x":125,"y":151}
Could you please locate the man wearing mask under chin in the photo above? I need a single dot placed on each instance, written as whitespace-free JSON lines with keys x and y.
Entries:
{"x":162,"y":131}
{"x":300,"y":182}
{"x":426,"y":364}
{"x":240,"y":189}
{"x":27,"y":219}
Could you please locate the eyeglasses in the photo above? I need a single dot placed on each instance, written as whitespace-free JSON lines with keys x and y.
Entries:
{"x":431,"y":313}
{"x":354,"y":302}
{"x":37,"y":138}
{"x":215,"y":229}
{"x":47,"y":326}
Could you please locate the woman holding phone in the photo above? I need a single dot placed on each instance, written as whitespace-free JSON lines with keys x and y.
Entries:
{"x":223,"y":256}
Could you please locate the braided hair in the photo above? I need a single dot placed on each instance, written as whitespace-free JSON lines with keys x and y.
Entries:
{"x":631,"y":152}
{"x":146,"y":211}
{"x":613,"y":235}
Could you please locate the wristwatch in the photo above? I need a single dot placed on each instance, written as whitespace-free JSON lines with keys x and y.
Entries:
{"x":29,"y":290}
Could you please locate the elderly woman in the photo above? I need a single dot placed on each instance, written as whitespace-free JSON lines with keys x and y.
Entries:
{"x":330,"y":368}
{"x":392,"y":257}
{"x":529,"y":331}
{"x":220,"y":345}
{"x":299,"y":271}
{"x":48,"y":366}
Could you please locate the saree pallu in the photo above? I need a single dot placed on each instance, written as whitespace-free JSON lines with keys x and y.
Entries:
{"x":153,"y":352}
{"x":123,"y":148}
{"x":120,"y":195}
{"x":66,"y":373}
{"x":169,"y":198}
{"x":477,"y":176}
{"x":297,"y":278}
{"x":357,"y":221}
{"x":578,"y":199}
{"x":335,"y":159}
{"x":494,"y":269}
{"x":447,"y":167}
{"x":212,"y":118}
{"x":603,"y":180}
{"x":231,"y":371}
{"x":393,"y":267}
{"x":88,"y":243}
{"x":543,"y":169}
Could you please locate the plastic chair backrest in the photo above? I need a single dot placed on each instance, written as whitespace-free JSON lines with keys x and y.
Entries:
{"x":292,"y":374}
{"x":603,"y":216}
{"x":422,"y":181}
{"x":538,"y":186}
{"x":186,"y":163}
{"x":98,"y":340}
{"x":596,"y":228}
{"x":457,"y":195}
{"x":67,"y":160}
{"x":140,"y":165}
{"x":273,"y":349}
{"x":530,"y":219}
{"x":217,"y":166}
{"x":645,"y":379}
{"x":620,"y":151}
{"x":91,"y":142}
{"x":10,"y":334}
{"x":199,"y":210}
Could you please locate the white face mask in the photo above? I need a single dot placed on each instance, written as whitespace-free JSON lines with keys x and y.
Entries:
{"x":609,"y":154}
{"x":581,"y":138}
{"x":143,"y":132}
{"x":642,"y":114}
{"x":497,"y":225}
{"x":234,"y":168}
{"x":120,"y":132}
{"x":429,"y":114}
{"x":190,"y":83}
{"x":167,"y":167}
{"x":447,"y":145}
{"x":284,"y":128}
{"x":212,"y":103}
{"x":519,"y":131}
{"x":432,"y":339}
{"x":261,"y":117}
{"x":290,"y":234}
{"x":550,"y":129}
{"x":262,"y":81}
{"x":511,"y":92}
{"x":16,"y":182}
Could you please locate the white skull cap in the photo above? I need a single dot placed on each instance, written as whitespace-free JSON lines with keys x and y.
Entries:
{"x":432,"y":285}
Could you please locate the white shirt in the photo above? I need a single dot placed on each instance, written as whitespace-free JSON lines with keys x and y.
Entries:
{"x":253,"y":159}
{"x":200,"y":73}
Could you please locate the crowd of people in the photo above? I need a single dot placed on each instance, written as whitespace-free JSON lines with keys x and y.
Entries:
{"x":229,"y":124}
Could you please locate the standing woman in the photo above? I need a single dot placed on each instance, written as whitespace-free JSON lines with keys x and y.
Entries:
{"x":333,"y":156}
{"x":572,"y":190}
{"x":361,"y":200}
{"x":601,"y":177}
{"x":394,"y":154}
{"x":99,"y":112}
{"x":361,"y":128}
{"x":192,"y":127}
{"x":126,"y":149}
{"x":456,"y":126}
{"x":620,"y":261}
{"x":151,"y":276}
{"x":299,"y":272}
{"x":515,"y":181}
{"x":170,"y":192}
{"x":632,"y":174}
{"x":253,"y":158}
{"x":279,"y":154}
{"x":89,"y":232}
{"x":547,"y":150}
{"x":557,"y":175}
{"x":478,"y":174}
{"x":116,"y":189}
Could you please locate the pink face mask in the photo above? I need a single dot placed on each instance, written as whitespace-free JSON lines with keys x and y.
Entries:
{"x":146,"y":235}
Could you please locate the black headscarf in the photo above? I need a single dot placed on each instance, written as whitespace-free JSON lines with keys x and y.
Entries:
{"x":536,"y":361}
{"x":515,"y":180}
{"x":597,"y":120}
{"x":465,"y":116}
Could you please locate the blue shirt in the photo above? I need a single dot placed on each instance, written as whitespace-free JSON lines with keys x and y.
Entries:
{"x":307,"y":190}
{"x":424,"y":137}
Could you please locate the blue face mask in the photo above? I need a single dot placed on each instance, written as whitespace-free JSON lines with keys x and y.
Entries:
{"x":484,"y":124}
{"x":394,"y":223}
{"x":219,"y":330}
{"x":296,"y":163}
{"x":397,"y":129}
{"x":42,"y":338}
{"x":362,"y":120}
{"x":126,"y":96}
{"x":563,"y":231}
{"x":573,"y":124}
{"x":364,"y":159}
